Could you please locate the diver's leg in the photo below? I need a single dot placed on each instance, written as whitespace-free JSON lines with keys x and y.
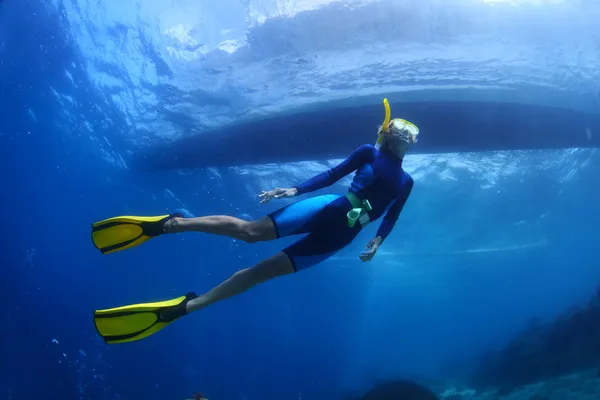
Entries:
{"x":305,"y":253}
{"x":292,"y":219}
{"x":248,"y":231}
{"x":279,"y":264}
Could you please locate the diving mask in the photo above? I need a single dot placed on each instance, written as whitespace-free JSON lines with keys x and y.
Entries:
{"x":397,"y":128}
{"x":404,"y":130}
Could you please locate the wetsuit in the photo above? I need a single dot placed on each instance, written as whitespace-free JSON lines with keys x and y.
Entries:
{"x":379,"y":178}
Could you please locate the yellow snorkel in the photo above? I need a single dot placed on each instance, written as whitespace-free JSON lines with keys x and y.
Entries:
{"x":386,"y":121}
{"x":396,"y":127}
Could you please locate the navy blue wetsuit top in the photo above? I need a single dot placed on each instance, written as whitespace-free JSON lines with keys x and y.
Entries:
{"x":379,"y":178}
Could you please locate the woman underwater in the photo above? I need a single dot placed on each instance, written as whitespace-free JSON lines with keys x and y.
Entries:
{"x":380,"y":187}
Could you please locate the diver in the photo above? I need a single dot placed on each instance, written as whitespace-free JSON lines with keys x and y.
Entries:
{"x":329,"y":222}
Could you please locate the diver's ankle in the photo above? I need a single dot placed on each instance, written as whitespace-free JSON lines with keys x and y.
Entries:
{"x":171,"y":225}
{"x":194,"y":305}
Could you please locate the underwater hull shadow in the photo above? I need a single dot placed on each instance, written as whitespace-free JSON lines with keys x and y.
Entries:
{"x":446,"y":127}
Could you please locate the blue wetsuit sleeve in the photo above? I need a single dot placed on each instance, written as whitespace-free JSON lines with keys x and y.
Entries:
{"x":394,"y":212}
{"x":359,"y":157}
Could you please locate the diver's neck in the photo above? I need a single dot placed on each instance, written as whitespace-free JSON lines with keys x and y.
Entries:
{"x":399,"y":157}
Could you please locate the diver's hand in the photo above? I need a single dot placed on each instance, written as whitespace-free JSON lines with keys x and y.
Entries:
{"x":371,"y":249}
{"x":277,"y":194}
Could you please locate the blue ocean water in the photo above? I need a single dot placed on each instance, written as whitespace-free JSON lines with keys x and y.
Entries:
{"x":486,"y":242}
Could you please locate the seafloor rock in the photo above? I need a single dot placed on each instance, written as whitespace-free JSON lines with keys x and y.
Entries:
{"x":584,"y":385}
{"x":541,"y":352}
{"x":399,"y":390}
{"x":455,"y":394}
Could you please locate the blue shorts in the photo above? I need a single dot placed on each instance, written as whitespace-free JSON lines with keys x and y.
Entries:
{"x":323,"y":219}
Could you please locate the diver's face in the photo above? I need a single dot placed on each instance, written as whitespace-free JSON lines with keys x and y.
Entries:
{"x":403,"y":130}
{"x":397,"y":145}
{"x":400,"y":136}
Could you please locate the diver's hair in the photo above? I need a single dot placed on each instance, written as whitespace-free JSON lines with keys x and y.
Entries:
{"x":377,"y":144}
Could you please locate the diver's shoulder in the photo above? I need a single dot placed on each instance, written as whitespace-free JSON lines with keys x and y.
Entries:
{"x":367,"y":147}
{"x":407,"y":178}
{"x":367,"y":151}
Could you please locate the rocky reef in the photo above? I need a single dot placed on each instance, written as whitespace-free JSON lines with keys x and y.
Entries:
{"x":558,"y":360}
{"x":582,"y":385}
{"x":396,"y":390}
{"x":544,"y":351}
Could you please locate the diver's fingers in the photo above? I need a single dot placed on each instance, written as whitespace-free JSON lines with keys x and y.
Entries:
{"x":283,"y":193}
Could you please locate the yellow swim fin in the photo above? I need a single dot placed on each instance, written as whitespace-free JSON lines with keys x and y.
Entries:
{"x":120,"y":233}
{"x":137,"y":321}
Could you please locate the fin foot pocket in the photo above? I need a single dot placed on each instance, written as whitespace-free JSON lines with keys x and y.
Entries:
{"x":124,"y":232}
{"x":134,"y":322}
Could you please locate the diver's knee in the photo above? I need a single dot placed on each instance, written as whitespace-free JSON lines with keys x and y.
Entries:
{"x":253,"y":231}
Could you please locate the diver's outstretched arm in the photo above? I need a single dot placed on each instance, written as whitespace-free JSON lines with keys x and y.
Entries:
{"x":248,"y":231}
{"x":243,"y":280}
{"x":359,"y":157}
